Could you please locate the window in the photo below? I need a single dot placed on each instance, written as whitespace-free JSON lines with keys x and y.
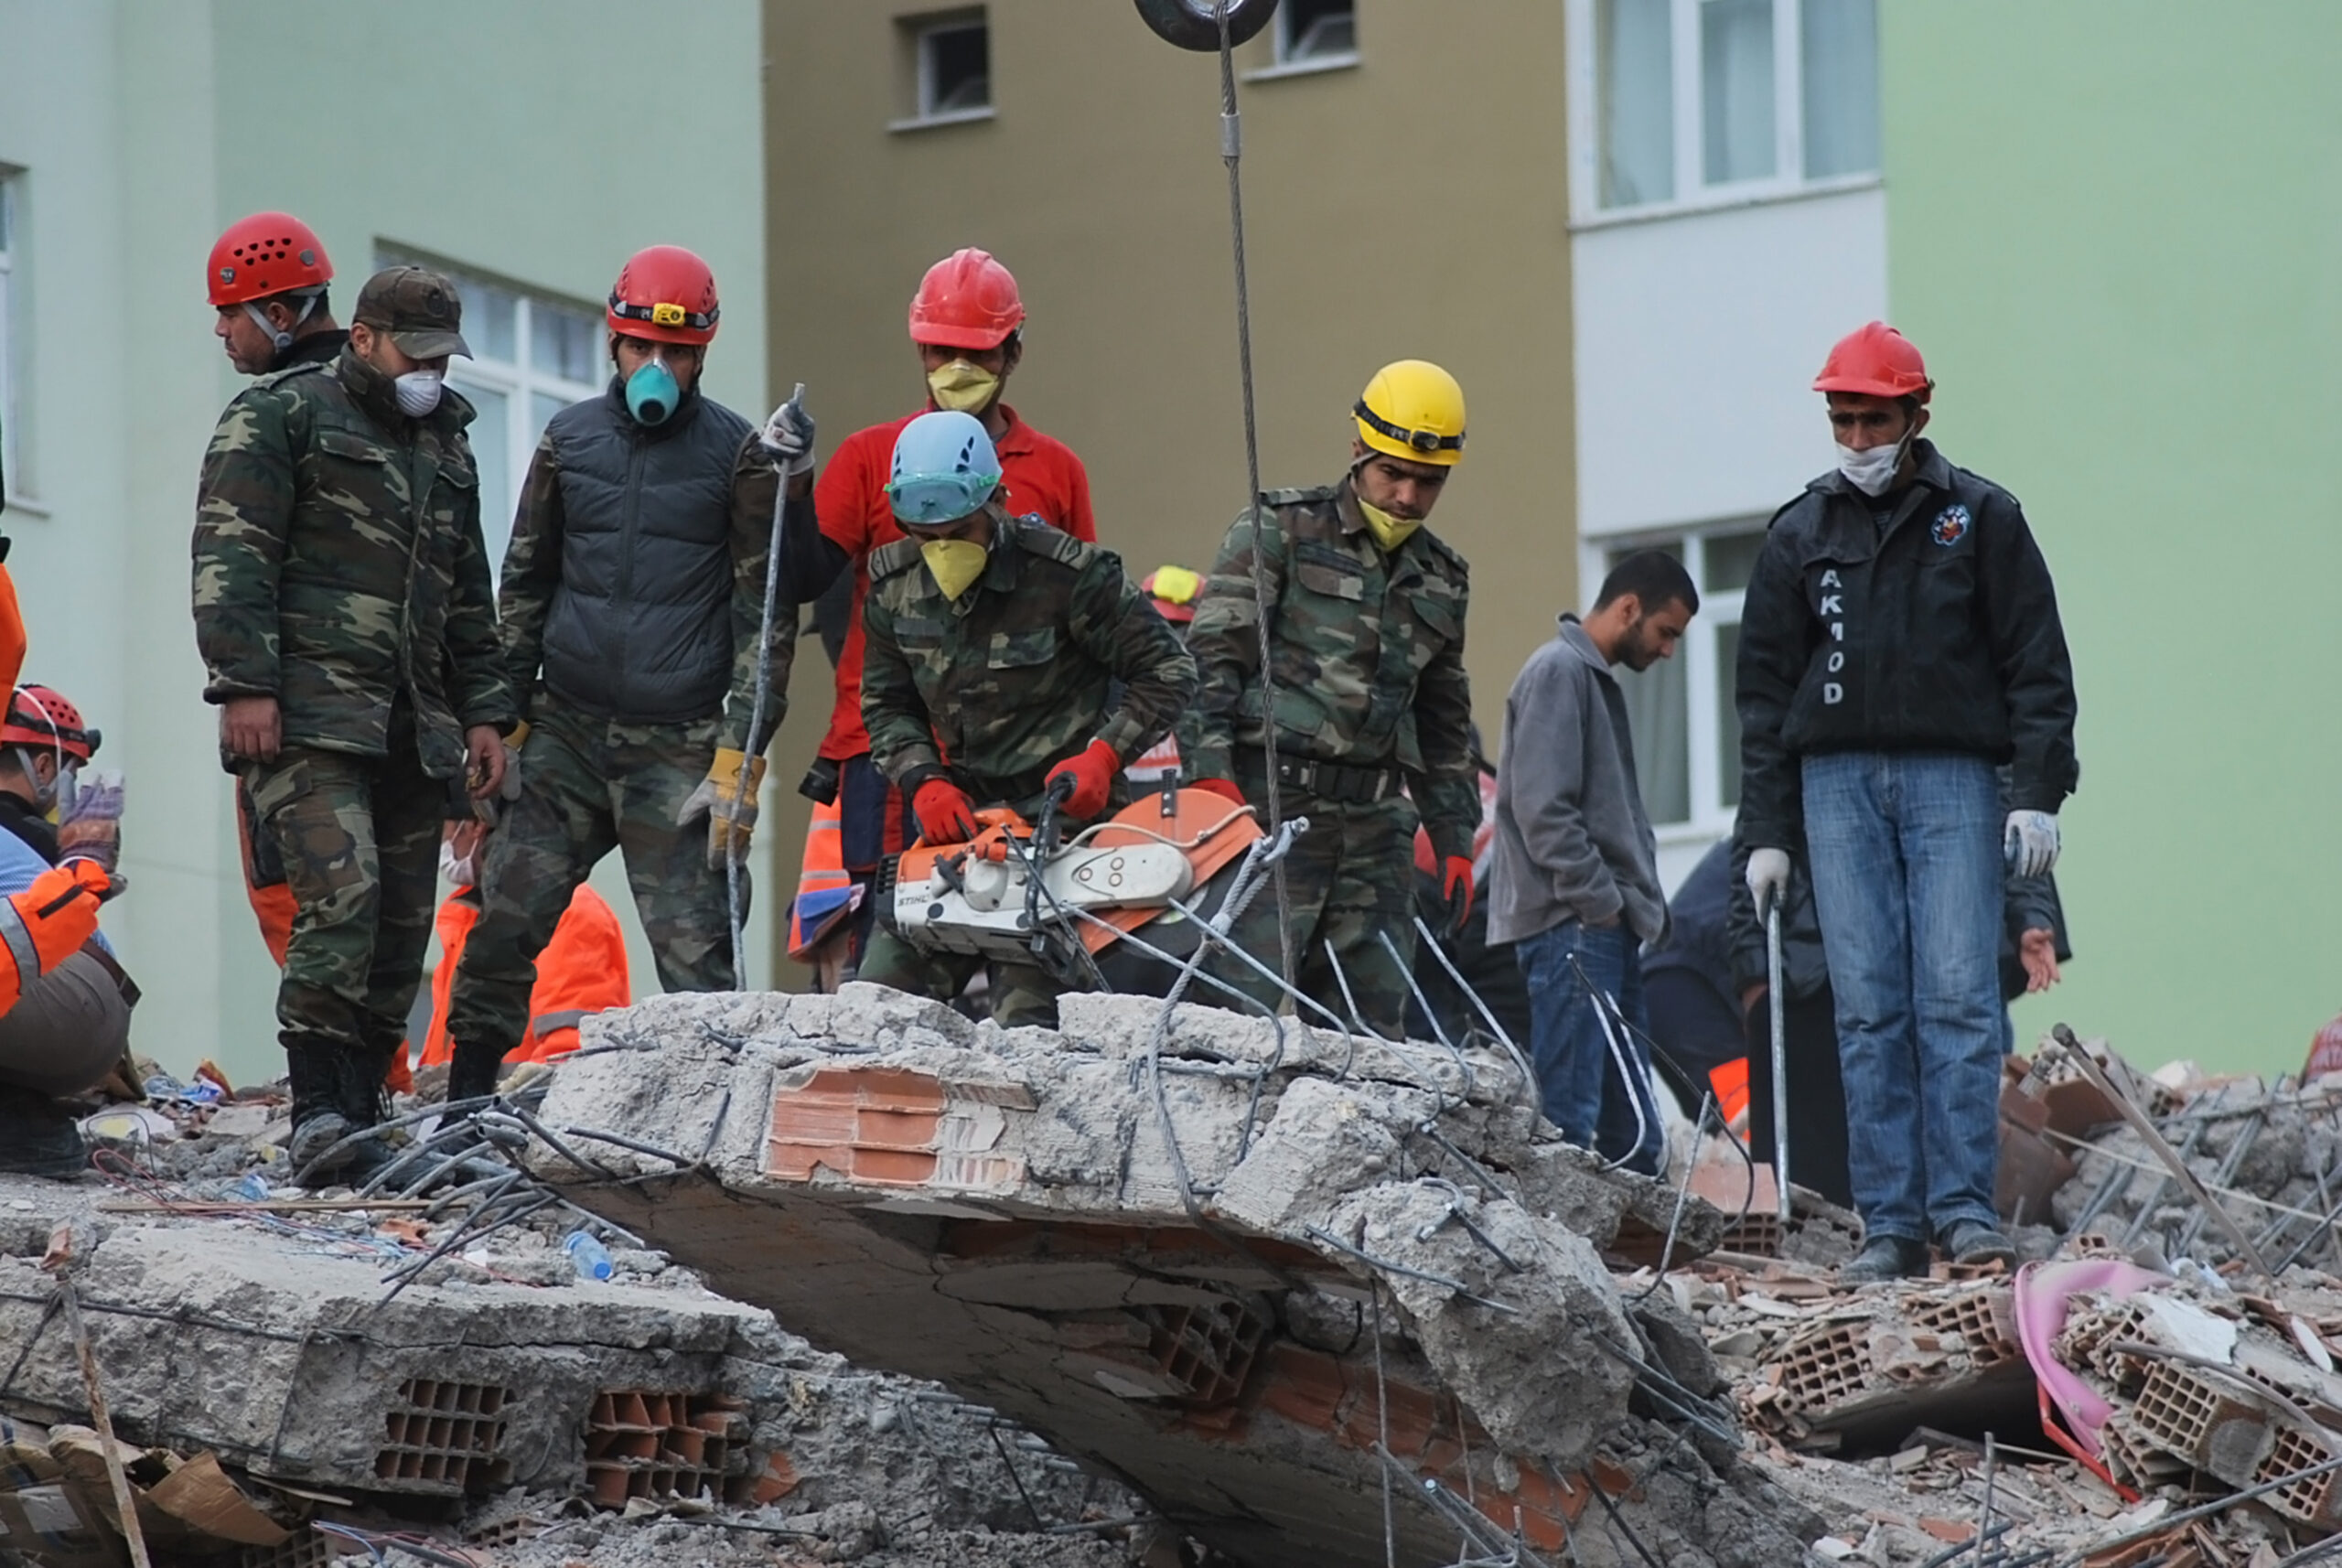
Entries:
{"x":948,"y":75}
{"x":12,"y":476}
{"x":533,"y":355}
{"x":1700,"y":101}
{"x":1317,"y":35}
{"x":1680,"y":711}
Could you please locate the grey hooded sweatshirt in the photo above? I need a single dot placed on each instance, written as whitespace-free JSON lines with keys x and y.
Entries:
{"x":1572,"y":839}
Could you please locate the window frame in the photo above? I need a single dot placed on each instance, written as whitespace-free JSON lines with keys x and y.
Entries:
{"x":14,"y":448}
{"x":519,"y":381}
{"x":1704,"y":694}
{"x":916,"y":33}
{"x":1787,"y":183}
{"x":1283,"y":61}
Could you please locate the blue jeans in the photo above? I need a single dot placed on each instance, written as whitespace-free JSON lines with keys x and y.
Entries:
{"x":1584,"y":1094}
{"x":1906,"y":853}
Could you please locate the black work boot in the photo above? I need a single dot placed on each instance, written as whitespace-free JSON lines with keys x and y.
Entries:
{"x":313,"y":1068}
{"x":1885,"y":1258}
{"x":39,"y":1136}
{"x":473,"y":1071}
{"x":365,"y":1102}
{"x":1972,"y":1243}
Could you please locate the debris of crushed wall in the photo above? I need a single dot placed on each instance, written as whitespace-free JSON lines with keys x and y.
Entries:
{"x":1259,"y":1271}
{"x":1156,"y":1289}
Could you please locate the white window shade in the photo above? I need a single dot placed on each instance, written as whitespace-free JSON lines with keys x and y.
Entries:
{"x":1839,"y":43}
{"x":1635,"y":100}
{"x":1690,"y":104}
{"x":1737,"y":89}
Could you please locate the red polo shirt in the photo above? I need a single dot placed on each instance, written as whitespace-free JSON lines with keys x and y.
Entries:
{"x":1039,"y":476}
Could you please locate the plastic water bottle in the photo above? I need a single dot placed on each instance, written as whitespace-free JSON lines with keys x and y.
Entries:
{"x":592,"y":1259}
{"x":254,"y":1188}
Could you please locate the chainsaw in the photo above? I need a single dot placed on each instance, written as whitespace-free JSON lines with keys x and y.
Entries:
{"x":1023,"y":893}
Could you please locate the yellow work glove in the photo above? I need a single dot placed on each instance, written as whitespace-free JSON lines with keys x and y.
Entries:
{"x":731,"y":813}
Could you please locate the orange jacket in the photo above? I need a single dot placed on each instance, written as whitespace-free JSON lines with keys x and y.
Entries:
{"x":46,"y":924}
{"x":12,"y":632}
{"x":583,"y":969}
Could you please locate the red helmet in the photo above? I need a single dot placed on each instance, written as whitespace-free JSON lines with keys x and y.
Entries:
{"x":40,"y":716}
{"x":266,"y":253}
{"x":967,"y":300}
{"x":664,"y":294}
{"x":1876,"y":360}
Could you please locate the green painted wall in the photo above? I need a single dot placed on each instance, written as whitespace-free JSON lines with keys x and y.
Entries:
{"x":540,"y":140}
{"x":2116,"y":231}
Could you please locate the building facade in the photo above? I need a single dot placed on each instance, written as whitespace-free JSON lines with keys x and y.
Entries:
{"x":1405,"y":195}
{"x":524,"y":145}
{"x":2117,"y":236}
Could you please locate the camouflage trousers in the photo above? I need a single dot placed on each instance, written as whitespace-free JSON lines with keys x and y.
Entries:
{"x":589,"y":786}
{"x":1349,"y":880}
{"x":1021,"y":992}
{"x":358,"y":837}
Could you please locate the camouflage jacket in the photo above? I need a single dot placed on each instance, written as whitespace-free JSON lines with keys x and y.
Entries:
{"x":1366,"y":651}
{"x":1015,"y":674}
{"x":339,"y":565}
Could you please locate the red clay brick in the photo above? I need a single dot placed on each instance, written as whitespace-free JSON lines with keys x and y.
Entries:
{"x":1306,"y":1386}
{"x":778,"y":1480}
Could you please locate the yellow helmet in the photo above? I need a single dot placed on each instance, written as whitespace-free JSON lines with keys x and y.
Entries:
{"x":1414,"y":410}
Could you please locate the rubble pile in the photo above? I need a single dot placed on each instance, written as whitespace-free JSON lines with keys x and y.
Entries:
{"x":1164,"y":1286}
{"x":501,"y":1404}
{"x":1270,"y":1274}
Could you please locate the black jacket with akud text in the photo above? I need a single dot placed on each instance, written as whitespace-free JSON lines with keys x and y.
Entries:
{"x":1923,"y":620}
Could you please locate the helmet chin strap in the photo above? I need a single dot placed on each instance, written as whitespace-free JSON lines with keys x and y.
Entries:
{"x":44,"y":795}
{"x":283,"y":340}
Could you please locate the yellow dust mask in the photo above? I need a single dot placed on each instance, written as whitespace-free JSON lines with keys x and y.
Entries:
{"x":955,"y":563}
{"x":962,"y":387}
{"x":1389,"y":532}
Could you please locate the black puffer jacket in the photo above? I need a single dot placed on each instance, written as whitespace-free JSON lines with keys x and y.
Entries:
{"x":640,"y":624}
{"x":1938,"y":632}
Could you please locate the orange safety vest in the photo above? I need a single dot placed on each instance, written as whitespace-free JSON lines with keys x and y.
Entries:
{"x":583,"y":969}
{"x":825,"y":887}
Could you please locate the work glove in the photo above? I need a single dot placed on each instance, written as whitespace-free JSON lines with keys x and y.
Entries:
{"x":1223,"y":789}
{"x":1456,"y":887}
{"x":731,"y":813}
{"x":512,"y":744}
{"x":1092,"y":772}
{"x":945,"y":813}
{"x":1769,"y":877}
{"x":91,"y":828}
{"x":2029,"y":842}
{"x":787,"y":438}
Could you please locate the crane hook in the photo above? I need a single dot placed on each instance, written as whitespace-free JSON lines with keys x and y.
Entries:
{"x":1194,"y":24}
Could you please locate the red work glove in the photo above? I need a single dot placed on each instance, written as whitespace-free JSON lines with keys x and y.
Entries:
{"x":945,"y":813}
{"x":1457,"y":888}
{"x":1092,"y":773}
{"x":1223,"y":789}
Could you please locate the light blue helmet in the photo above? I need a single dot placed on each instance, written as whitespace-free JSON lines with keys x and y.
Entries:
{"x":944,"y":469}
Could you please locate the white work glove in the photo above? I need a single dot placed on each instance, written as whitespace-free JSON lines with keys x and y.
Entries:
{"x":1769,"y":876}
{"x":788,"y":437}
{"x":514,"y":743}
{"x":2030,"y":843}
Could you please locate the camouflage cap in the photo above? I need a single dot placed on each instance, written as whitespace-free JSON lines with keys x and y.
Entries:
{"x":418,"y":308}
